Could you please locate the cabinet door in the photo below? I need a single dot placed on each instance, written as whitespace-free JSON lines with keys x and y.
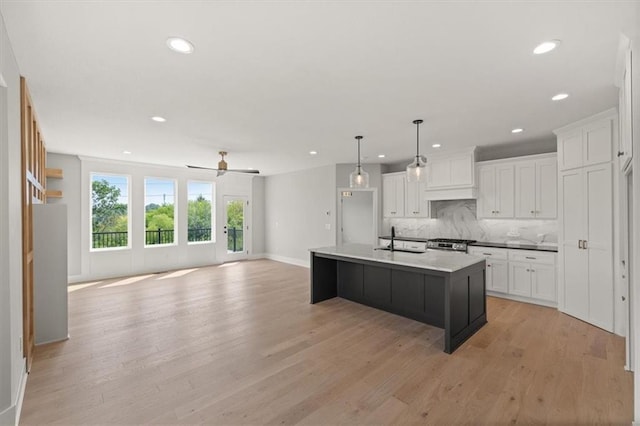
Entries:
{"x":504,"y":191}
{"x":462,"y":170}
{"x":400,"y":181}
{"x":486,"y":191}
{"x":543,"y":282}
{"x":570,"y":150}
{"x":526,"y":190}
{"x":546,"y":189}
{"x":439,"y":173}
{"x":350,"y":280}
{"x":574,"y":299}
{"x":519,"y":279}
{"x":393,"y":195}
{"x":497,"y":276}
{"x":597,"y":139}
{"x":415,"y":204}
{"x":599,"y":242}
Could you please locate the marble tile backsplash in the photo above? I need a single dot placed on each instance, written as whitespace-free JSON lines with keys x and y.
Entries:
{"x":457,"y":219}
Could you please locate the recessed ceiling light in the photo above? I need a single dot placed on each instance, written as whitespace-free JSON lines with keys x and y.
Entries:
{"x":126,"y":152}
{"x":158,"y":119}
{"x":436,"y":145}
{"x":313,"y":152}
{"x":518,"y":130}
{"x":381,"y":156}
{"x":180,"y":45}
{"x":560,"y":96}
{"x":546,"y":46}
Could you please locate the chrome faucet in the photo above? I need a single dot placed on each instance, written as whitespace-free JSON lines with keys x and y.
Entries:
{"x":393,"y":235}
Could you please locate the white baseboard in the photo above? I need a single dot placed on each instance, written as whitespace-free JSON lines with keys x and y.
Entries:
{"x":289,"y":260}
{"x":522,"y":299}
{"x":11,"y":415}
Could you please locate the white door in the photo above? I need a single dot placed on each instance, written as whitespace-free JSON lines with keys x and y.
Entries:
{"x":358,"y":211}
{"x":543,"y":282}
{"x":599,"y":244}
{"x":574,"y":296}
{"x":235,"y":228}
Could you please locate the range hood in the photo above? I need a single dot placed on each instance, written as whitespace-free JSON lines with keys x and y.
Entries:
{"x":451,"y":194}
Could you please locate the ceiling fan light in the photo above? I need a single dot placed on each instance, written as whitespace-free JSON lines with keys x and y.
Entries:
{"x":359,"y":178}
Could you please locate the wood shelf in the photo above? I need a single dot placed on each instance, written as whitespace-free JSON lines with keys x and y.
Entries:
{"x":53,"y":193}
{"x":53,"y":173}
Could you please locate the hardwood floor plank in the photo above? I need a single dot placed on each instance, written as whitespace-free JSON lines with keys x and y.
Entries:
{"x":240,"y":344}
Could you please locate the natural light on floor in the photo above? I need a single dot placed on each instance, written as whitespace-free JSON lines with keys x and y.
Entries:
{"x":176,"y":274}
{"x":127,"y":281}
{"x":75,"y":287}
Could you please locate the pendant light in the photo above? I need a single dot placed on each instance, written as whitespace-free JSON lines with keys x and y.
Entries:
{"x":359,"y":178}
{"x":416,"y":171}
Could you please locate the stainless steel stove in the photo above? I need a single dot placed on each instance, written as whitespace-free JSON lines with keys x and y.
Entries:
{"x":449,"y":244}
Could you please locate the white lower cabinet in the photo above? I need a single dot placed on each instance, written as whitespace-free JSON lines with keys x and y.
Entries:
{"x":528,"y":275}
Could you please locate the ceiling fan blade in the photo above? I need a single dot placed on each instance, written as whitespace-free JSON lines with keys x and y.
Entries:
{"x":244,"y":171}
{"x":200,"y":167}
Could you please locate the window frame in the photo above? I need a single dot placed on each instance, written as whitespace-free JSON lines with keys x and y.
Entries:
{"x":213,"y":212}
{"x":129,"y":215}
{"x":175,"y":212}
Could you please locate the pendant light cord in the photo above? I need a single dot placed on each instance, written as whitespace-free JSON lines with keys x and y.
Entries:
{"x":359,"y":166}
{"x":418,"y":140}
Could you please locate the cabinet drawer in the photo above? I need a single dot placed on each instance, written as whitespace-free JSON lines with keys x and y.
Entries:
{"x":489,"y":252}
{"x":531,"y":256}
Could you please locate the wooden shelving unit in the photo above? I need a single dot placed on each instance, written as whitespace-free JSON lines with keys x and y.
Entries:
{"x":53,"y":193}
{"x":53,"y":173}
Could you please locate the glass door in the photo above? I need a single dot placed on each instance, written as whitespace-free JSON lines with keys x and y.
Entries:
{"x":235,"y":228}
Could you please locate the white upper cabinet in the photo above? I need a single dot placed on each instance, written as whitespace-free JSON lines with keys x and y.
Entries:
{"x":536,"y":189}
{"x":586,"y":143}
{"x":393,"y":192}
{"x":452,"y":170}
{"x":415,"y":203}
{"x":496,"y":191}
{"x":521,"y":187}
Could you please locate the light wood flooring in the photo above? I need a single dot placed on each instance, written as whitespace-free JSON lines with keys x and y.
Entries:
{"x":240,"y":344}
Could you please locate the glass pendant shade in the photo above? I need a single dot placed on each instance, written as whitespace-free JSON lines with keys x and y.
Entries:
{"x":417,"y":171}
{"x":359,"y":178}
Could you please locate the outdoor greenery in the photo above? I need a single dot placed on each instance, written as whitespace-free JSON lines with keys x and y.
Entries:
{"x":235,"y":221}
{"x":110,"y":218}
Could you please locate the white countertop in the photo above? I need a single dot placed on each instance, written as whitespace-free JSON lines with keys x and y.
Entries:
{"x":437,"y":260}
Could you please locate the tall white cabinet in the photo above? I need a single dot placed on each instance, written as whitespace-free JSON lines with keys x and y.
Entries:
{"x":585,"y":239}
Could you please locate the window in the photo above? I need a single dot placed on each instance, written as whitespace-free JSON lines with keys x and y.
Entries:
{"x":200,"y":207}
{"x":159,"y":203}
{"x":109,"y":211}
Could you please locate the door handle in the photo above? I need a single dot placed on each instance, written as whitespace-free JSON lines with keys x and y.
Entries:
{"x":579,"y":244}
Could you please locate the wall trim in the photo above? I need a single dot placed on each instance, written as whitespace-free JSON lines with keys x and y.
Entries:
{"x":289,"y":260}
{"x":11,"y":415}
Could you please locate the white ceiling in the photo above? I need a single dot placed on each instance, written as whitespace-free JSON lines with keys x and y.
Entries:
{"x":270,"y":81}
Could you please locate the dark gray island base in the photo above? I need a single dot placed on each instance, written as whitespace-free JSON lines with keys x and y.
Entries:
{"x":450,"y":296}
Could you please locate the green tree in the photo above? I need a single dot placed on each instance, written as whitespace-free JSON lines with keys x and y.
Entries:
{"x":199,"y":213}
{"x":106,"y":210}
{"x":161,"y":217}
{"x":235,"y":214}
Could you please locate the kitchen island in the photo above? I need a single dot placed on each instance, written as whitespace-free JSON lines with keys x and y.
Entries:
{"x":439,"y":288}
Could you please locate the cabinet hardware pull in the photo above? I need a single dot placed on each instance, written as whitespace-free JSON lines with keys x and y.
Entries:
{"x":579,"y":244}
{"x":584,"y":244}
{"x":620,"y":153}
{"x":493,"y":211}
{"x":530,"y":257}
{"x":488,"y":266}
{"x":497,"y":211}
{"x":533,"y":270}
{"x":487,"y":254}
{"x":624,"y":298}
{"x":532,"y":211}
{"x":528,"y":270}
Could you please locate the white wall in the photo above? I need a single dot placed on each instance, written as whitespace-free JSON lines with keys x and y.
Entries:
{"x":12,"y":366}
{"x":85,"y":264}
{"x":298,"y":206}
{"x":257,"y":191}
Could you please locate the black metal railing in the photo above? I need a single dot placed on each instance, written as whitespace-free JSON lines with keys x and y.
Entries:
{"x":110,"y":239}
{"x":234,"y":240}
{"x":194,"y":234}
{"x":160,"y":236}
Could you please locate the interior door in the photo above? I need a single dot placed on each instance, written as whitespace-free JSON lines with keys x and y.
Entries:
{"x":357,"y":217}
{"x":235,"y":228}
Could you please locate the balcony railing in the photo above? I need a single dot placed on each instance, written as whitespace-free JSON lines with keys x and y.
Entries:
{"x":235,"y":241}
{"x":159,"y":236}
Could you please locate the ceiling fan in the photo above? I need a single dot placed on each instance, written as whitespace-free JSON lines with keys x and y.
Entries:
{"x":222,"y":167}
